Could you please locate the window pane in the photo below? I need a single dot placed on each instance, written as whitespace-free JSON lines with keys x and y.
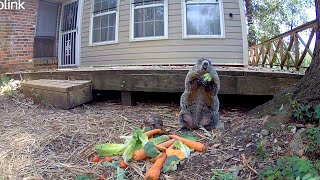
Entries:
{"x":159,"y":31}
{"x":148,"y":14}
{"x":111,"y":34}
{"x":149,"y":29}
{"x":215,"y":27}
{"x":105,"y":5}
{"x":159,"y":12}
{"x":201,"y":19}
{"x":138,"y":30}
{"x":138,"y":15}
{"x":104,"y":34}
{"x":202,"y":0}
{"x":112,"y":19}
{"x":97,"y":7}
{"x":96,"y":22}
{"x":96,"y":35}
{"x":112,"y":3}
{"x":104,"y":21}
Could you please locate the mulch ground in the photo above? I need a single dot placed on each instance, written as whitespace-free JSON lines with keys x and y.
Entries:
{"x":39,"y":142}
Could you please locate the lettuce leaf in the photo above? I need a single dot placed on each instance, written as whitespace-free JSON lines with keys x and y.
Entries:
{"x":150,"y":149}
{"x":109,"y":149}
{"x":182,"y":147}
{"x":138,"y":140}
{"x":160,"y":139}
{"x":188,"y":135}
{"x":170,"y":164}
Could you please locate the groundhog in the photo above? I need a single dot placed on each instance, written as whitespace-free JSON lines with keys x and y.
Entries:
{"x":199,"y":104}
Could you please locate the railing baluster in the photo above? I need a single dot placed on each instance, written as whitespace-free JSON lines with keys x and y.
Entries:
{"x":278,"y":51}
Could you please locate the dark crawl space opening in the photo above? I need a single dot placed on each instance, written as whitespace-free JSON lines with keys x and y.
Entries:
{"x":245,"y":102}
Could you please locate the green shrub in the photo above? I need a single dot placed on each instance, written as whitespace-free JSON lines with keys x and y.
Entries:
{"x":291,"y":167}
{"x":312,"y":139}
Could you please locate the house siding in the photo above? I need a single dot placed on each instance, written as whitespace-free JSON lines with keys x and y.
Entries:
{"x":174,"y":50}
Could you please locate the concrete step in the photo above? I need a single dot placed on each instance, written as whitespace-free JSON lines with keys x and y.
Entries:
{"x":64,"y":94}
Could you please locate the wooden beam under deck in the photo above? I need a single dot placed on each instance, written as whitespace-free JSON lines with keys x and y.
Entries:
{"x":240,"y":82}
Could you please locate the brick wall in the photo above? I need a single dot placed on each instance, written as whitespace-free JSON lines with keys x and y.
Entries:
{"x":17,"y":30}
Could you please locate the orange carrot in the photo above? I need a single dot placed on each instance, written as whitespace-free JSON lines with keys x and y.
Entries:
{"x":155,"y":158}
{"x":191,"y":144}
{"x":154,"y":172}
{"x":140,"y":155}
{"x":152,"y":132}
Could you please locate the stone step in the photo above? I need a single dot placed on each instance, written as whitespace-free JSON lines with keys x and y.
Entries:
{"x":64,"y":94}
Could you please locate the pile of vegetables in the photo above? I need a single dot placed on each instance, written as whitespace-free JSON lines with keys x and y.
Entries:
{"x":165,"y":151}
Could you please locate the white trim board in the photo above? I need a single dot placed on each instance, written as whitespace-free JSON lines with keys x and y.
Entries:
{"x":244,"y":33}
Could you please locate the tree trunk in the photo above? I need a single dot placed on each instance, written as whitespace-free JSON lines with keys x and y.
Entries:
{"x":249,"y":15}
{"x":308,"y":88}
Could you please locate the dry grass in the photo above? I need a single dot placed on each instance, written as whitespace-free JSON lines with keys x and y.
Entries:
{"x":38,"y":142}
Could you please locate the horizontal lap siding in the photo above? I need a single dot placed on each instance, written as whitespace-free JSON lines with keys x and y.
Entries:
{"x":174,"y":50}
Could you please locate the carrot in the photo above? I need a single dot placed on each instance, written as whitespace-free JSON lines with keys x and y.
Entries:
{"x":155,"y":158}
{"x":152,"y":132}
{"x":191,"y":144}
{"x":154,"y":172}
{"x":140,"y":155}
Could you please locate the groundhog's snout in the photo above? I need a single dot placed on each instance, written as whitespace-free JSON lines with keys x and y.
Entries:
{"x":205,"y":65}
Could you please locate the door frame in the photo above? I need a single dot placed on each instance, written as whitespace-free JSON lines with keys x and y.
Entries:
{"x":78,"y":34}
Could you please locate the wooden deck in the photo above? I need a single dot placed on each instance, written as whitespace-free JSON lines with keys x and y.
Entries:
{"x":234,"y":80}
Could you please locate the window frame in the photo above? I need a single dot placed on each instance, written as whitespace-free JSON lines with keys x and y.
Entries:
{"x":184,"y":20}
{"x":115,"y":41}
{"x":165,"y":21}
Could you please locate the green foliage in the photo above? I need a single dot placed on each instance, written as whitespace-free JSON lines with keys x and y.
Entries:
{"x":261,"y":151}
{"x":291,"y":167}
{"x":150,"y":149}
{"x":312,"y":139}
{"x":137,"y":141}
{"x":170,"y":164}
{"x":4,"y":80}
{"x":220,"y":175}
{"x":307,"y":113}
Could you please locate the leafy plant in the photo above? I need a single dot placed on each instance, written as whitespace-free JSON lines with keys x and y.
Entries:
{"x":4,"y":80}
{"x":291,"y":167}
{"x":307,"y":113}
{"x":220,"y":175}
{"x":261,"y":151}
{"x":84,"y":177}
{"x":120,"y":173}
{"x":313,"y":139}
{"x":188,"y":135}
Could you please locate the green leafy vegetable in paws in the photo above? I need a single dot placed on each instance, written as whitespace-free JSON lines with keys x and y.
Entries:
{"x":206,"y":77}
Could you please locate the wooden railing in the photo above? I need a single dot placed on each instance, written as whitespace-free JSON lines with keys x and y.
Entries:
{"x":288,"y":50}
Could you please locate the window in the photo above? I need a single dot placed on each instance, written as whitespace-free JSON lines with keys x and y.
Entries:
{"x":46,"y":30}
{"x":104,"y":21}
{"x":149,"y":19}
{"x":203,"y":18}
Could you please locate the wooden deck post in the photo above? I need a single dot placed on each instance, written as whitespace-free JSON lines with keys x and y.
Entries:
{"x":127,"y":98}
